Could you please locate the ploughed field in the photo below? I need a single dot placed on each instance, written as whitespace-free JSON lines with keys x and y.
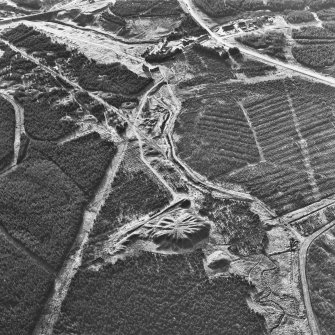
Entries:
{"x":275,"y":138}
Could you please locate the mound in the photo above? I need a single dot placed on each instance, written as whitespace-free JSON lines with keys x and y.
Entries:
{"x":184,"y":232}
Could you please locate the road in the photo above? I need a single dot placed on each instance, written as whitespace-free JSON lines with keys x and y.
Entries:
{"x":312,"y":75}
{"x":302,"y":262}
{"x":27,"y":252}
{"x":267,"y":59}
{"x":70,"y":267}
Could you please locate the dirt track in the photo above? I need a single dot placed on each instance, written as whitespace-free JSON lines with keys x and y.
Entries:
{"x":254,"y":54}
{"x":70,"y":267}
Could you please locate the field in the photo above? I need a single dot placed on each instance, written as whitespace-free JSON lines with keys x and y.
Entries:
{"x":321,"y":274}
{"x":274,"y":138}
{"x":7,"y":132}
{"x":292,"y":130}
{"x":169,"y":294}
{"x":215,"y":133}
{"x":24,"y":289}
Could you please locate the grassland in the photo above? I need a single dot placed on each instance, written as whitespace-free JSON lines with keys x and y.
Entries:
{"x":156,"y":294}
{"x":23,"y":290}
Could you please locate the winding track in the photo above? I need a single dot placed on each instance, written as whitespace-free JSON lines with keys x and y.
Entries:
{"x":267,"y":59}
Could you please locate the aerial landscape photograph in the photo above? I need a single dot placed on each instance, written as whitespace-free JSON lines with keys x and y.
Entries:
{"x":167,"y":167}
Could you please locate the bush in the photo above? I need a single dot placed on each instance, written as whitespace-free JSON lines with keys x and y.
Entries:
{"x":7,"y":132}
{"x":157,"y":294}
{"x":234,"y":51}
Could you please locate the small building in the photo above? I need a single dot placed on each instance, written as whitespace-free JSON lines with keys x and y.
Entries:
{"x":228,"y":27}
{"x":242,"y":25}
